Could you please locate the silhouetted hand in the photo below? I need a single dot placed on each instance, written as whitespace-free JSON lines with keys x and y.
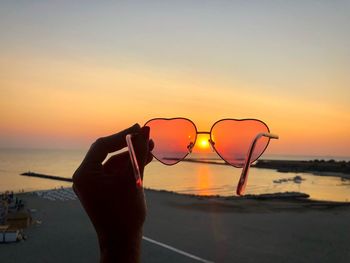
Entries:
{"x":109,"y":194}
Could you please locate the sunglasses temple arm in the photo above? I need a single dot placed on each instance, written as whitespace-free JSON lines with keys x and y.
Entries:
{"x":134,"y":162}
{"x":244,"y":175}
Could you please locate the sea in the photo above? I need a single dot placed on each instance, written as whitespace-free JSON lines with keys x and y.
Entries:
{"x":185,"y":177}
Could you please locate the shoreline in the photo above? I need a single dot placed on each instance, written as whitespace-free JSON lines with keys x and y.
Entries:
{"x":264,"y":164}
{"x":315,"y":167}
{"x":263,"y":196}
{"x":295,"y":197}
{"x":286,"y":197}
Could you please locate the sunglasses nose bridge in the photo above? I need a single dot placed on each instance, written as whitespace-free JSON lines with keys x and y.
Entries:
{"x":211,"y":143}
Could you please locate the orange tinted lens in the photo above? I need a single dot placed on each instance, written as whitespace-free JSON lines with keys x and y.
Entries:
{"x":232,"y":139}
{"x":172,"y":139}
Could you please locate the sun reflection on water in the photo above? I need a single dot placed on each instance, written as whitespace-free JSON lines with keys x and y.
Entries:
{"x":203,"y":178}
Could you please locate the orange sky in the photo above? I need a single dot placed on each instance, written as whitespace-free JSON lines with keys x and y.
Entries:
{"x":64,"y":82}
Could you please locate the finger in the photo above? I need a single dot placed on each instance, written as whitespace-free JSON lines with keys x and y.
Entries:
{"x":105,"y":145}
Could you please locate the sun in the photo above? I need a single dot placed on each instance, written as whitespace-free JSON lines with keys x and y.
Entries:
{"x":204,"y":144}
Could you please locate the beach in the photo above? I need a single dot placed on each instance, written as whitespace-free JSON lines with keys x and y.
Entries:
{"x":212,"y":229}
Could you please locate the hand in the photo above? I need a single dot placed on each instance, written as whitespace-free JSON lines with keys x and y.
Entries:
{"x":109,"y":194}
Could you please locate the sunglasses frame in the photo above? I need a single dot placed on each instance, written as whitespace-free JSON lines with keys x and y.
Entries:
{"x":244,"y":175}
{"x":211,"y":141}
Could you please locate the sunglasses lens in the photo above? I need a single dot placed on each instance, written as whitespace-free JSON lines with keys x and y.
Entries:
{"x":172,"y":139}
{"x":232,"y":139}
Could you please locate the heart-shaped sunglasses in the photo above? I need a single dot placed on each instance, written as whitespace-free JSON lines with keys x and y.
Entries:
{"x":238,"y":142}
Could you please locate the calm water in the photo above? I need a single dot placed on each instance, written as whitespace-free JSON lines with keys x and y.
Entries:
{"x":194,"y":178}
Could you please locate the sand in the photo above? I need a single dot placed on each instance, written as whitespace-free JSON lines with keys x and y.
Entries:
{"x":215,"y":229}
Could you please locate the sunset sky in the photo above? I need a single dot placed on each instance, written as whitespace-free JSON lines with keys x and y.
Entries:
{"x":71,"y":72}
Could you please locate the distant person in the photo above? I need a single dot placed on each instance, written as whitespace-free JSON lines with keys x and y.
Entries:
{"x":109,"y":195}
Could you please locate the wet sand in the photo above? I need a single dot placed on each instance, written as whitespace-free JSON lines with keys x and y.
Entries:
{"x":215,"y":229}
